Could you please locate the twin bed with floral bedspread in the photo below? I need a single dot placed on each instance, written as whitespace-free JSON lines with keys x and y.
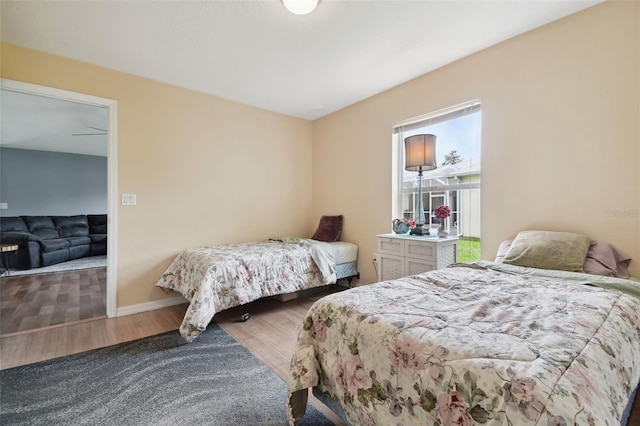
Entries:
{"x":220,"y":277}
{"x":479,"y":343}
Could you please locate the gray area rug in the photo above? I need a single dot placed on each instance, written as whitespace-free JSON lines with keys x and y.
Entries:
{"x":71,"y":265}
{"x":160,"y":380}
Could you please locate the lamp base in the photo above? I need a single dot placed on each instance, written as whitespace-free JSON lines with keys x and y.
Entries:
{"x":419,"y":230}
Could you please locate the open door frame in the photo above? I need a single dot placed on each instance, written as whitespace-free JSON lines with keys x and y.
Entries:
{"x":112,"y":170}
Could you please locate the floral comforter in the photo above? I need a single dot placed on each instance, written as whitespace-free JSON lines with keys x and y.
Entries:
{"x":471,"y":345}
{"x":220,"y":277}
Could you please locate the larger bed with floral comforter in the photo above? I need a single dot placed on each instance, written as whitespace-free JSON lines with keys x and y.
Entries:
{"x":219,"y":277}
{"x":482,"y":343}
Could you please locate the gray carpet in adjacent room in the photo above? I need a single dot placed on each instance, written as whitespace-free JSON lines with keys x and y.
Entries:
{"x":159,"y":380}
{"x":71,"y":265}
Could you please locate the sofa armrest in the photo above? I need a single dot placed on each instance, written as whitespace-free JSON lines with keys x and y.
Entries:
{"x":18,"y":237}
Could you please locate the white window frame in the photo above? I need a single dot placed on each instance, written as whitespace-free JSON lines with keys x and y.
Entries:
{"x":441,"y":188}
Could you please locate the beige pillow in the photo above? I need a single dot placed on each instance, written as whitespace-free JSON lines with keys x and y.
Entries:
{"x":563,"y":251}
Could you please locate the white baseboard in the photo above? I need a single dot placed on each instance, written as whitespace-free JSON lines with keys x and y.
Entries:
{"x":150,"y":306}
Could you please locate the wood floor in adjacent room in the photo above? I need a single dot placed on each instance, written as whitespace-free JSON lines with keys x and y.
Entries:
{"x":270,"y":335}
{"x":33,"y":302}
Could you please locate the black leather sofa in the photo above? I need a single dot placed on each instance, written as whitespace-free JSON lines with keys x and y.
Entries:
{"x":47,"y":240}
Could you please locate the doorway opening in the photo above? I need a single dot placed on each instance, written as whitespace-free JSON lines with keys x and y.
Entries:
{"x":106,"y":131}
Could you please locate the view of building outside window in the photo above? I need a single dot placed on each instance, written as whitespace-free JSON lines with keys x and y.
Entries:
{"x":456,"y":180}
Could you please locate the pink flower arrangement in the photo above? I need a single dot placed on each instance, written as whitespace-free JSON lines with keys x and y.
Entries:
{"x":442,"y":212}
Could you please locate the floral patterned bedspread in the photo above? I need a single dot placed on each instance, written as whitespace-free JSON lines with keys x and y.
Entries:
{"x":471,"y":345}
{"x":220,"y":277}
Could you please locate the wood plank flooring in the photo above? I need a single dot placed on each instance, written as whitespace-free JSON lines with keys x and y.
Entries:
{"x":27,"y":348}
{"x":34,"y":302}
{"x":270,"y":335}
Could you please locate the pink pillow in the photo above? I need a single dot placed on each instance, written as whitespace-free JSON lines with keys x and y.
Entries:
{"x":502,"y":250}
{"x":605,"y":259}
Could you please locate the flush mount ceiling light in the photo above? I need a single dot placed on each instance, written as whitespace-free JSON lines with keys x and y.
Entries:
{"x":300,"y":7}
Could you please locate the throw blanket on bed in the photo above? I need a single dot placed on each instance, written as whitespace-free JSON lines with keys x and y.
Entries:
{"x":320,"y":253}
{"x":471,"y":345}
{"x":220,"y":277}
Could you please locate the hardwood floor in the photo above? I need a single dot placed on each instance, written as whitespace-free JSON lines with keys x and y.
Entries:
{"x":27,"y":348}
{"x":270,"y":335}
{"x":33,"y":302}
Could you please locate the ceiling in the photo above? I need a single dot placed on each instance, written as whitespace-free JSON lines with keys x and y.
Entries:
{"x":257,"y":53}
{"x":47,"y":124}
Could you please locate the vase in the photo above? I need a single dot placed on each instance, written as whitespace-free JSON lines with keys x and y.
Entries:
{"x":401,"y":228}
{"x":442,"y":233}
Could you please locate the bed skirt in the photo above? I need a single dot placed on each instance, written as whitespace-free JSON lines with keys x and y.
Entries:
{"x":347,"y":270}
{"x":344,"y":271}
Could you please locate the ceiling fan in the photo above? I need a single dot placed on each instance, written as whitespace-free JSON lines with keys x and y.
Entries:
{"x":102,"y":132}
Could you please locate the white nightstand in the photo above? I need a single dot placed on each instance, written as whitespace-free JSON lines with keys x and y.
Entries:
{"x":402,"y":255}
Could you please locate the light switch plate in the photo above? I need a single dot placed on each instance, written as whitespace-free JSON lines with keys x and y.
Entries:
{"x":4,"y":206}
{"x":128,"y":199}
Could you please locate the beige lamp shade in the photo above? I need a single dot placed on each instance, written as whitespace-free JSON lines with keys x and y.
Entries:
{"x":420,"y":153}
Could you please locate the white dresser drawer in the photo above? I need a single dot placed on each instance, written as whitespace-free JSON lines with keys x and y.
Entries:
{"x":402,"y":255}
{"x":416,"y":266}
{"x":426,"y":250}
{"x":391,"y":246}
{"x":390,"y":267}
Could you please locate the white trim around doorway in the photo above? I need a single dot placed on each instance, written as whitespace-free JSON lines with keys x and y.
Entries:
{"x":112,"y":170}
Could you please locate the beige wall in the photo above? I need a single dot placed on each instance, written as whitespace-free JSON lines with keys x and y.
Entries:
{"x":561,"y":148}
{"x":205,"y":170}
{"x":560,"y":136}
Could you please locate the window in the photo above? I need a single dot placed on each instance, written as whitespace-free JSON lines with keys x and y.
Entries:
{"x":455,"y":182}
